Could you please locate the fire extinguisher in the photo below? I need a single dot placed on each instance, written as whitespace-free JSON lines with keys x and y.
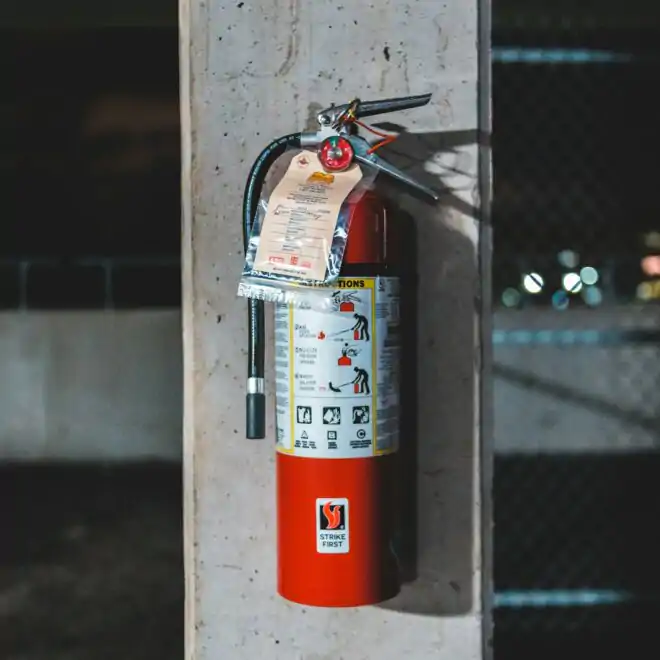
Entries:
{"x":337,"y":405}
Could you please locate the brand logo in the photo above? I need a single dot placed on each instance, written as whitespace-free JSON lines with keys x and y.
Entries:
{"x":332,"y":523}
{"x":333,"y":516}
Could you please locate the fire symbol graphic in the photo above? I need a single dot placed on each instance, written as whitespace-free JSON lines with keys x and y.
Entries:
{"x":332,"y":515}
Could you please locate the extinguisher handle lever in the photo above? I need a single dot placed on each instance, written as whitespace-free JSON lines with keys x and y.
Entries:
{"x":364,"y":155}
{"x":385,"y":106}
{"x":360,"y":109}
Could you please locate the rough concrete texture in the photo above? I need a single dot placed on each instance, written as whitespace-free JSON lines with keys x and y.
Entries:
{"x":250,"y":72}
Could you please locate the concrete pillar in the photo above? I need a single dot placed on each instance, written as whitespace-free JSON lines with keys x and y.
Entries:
{"x":254,"y":70}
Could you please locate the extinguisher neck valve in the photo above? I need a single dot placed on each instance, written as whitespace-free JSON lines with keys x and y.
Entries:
{"x":341,"y":120}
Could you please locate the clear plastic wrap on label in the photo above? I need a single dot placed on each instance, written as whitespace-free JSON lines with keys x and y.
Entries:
{"x":296,"y":247}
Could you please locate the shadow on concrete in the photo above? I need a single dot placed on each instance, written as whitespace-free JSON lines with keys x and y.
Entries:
{"x":411,"y":151}
{"x":438,"y":454}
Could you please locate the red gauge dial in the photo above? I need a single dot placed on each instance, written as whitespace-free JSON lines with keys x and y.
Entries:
{"x":336,"y":154}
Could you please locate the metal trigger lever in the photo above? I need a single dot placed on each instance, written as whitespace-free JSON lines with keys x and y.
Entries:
{"x":361,"y":148}
{"x":361,"y":109}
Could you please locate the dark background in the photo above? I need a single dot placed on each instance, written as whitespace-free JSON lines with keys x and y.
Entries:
{"x":575,"y":168}
{"x":90,"y":169}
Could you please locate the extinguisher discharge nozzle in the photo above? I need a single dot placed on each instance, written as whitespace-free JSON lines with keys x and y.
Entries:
{"x":255,"y":420}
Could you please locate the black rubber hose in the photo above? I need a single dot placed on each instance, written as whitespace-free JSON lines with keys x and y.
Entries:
{"x":256,"y":398}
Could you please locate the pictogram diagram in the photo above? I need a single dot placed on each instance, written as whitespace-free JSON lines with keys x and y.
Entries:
{"x":361,"y":414}
{"x":347,"y":353}
{"x":360,"y":383}
{"x":304,"y":414}
{"x":332,"y":415}
{"x":344,"y":301}
{"x":360,"y":329}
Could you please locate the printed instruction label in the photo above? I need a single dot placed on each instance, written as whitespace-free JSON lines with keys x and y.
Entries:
{"x":332,"y":531}
{"x":337,"y":374}
{"x":299,"y":225}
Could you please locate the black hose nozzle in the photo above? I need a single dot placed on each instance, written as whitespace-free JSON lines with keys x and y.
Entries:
{"x":255,"y":415}
{"x":256,"y":398}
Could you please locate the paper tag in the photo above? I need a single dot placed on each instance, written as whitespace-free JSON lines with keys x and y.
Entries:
{"x":298,"y":228}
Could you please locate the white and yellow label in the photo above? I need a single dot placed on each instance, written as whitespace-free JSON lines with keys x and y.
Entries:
{"x":337,"y":374}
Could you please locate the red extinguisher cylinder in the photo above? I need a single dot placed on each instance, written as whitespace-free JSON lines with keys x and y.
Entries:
{"x":338,"y":428}
{"x":368,"y":573}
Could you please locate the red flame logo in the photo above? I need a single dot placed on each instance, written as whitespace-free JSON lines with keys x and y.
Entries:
{"x":332,"y":514}
{"x":321,"y":335}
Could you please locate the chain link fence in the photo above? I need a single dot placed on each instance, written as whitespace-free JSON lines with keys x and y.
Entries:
{"x":576,"y":218}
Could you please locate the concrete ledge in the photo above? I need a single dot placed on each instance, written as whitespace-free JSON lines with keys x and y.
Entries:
{"x":90,"y":386}
{"x":583,"y":391}
{"x":108,"y":385}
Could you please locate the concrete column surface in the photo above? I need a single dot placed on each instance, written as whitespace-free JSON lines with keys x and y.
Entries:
{"x":252,"y":71}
